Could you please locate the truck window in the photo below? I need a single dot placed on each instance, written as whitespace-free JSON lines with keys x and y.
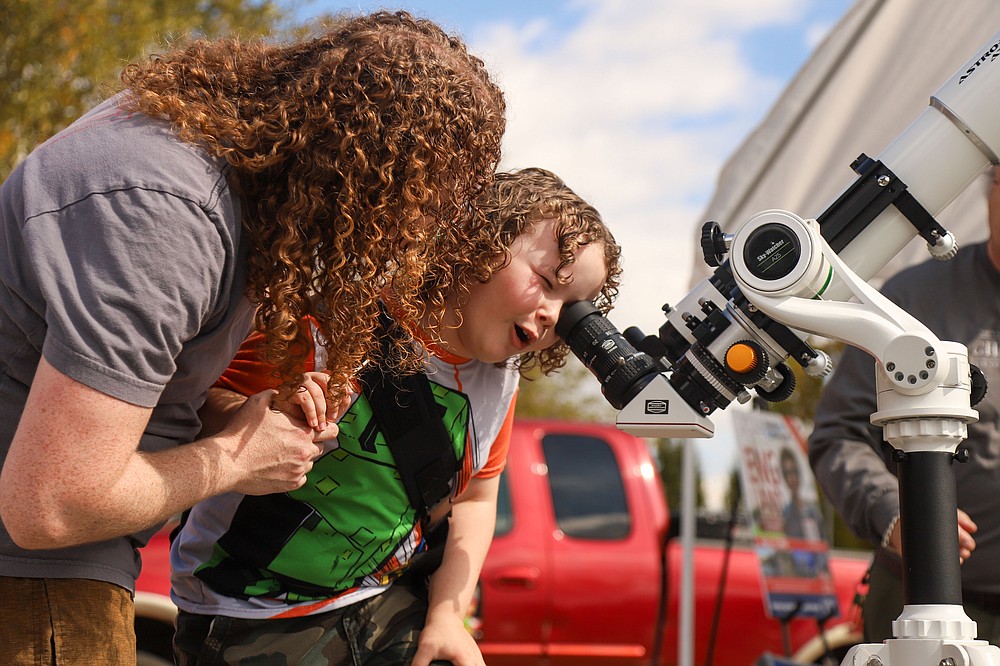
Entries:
{"x":588,"y":495}
{"x":505,"y":514}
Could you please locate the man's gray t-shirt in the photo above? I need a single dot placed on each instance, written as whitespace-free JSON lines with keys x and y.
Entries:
{"x":123,"y":264}
{"x":957,"y":300}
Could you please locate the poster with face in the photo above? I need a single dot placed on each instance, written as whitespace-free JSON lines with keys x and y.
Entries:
{"x":788,"y":527}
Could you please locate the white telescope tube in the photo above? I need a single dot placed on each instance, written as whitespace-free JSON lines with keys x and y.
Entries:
{"x":937,"y":157}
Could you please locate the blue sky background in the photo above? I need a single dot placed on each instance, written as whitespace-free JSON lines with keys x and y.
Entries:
{"x":636,"y":104}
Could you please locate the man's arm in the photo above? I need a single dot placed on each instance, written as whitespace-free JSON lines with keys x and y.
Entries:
{"x":217,"y":412}
{"x":74,"y":475}
{"x":845,"y":449}
{"x":452,"y":586}
{"x":844,"y":454}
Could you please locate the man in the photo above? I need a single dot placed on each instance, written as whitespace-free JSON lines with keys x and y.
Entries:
{"x":229,"y":180}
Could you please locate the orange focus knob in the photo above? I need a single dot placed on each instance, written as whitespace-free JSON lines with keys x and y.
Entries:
{"x":741,"y":358}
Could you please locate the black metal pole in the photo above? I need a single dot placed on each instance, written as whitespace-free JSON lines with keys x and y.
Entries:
{"x":928,"y":520}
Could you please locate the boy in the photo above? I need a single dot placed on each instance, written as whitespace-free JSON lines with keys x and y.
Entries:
{"x":309,"y":574}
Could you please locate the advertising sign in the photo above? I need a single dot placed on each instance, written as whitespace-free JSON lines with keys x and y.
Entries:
{"x":788,"y":529}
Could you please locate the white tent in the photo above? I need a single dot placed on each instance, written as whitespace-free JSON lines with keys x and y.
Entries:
{"x":864,"y":84}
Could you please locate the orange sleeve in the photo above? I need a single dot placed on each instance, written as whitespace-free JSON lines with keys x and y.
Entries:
{"x":249,"y":374}
{"x":501,"y":445}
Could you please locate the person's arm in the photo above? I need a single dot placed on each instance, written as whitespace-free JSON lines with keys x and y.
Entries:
{"x":309,"y":403}
{"x":74,"y":475}
{"x":452,"y":586}
{"x":845,"y":450}
{"x":216,"y":413}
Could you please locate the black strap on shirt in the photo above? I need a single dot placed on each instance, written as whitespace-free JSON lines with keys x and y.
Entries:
{"x":410,"y":421}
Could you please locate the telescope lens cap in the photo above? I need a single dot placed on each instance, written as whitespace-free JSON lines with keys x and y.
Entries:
{"x":772,"y":252}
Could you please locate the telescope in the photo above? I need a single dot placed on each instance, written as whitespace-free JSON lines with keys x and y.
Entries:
{"x":780,"y":278}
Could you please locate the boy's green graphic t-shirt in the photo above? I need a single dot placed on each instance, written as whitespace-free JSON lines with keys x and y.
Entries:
{"x":345,"y":523}
{"x":350,"y":530}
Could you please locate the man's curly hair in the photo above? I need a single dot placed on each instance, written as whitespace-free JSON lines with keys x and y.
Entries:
{"x":517,"y":200}
{"x":357,"y":154}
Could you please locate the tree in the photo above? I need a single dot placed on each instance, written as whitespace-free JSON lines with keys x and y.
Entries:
{"x":670,"y":453}
{"x":803,"y":401}
{"x":59,"y":58}
{"x":572,"y":393}
{"x":734,"y":491}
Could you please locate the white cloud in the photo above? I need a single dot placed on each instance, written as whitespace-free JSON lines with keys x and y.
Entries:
{"x":815,"y":33}
{"x":636,"y":110}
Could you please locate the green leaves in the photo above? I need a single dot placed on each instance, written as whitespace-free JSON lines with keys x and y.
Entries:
{"x":60,"y":57}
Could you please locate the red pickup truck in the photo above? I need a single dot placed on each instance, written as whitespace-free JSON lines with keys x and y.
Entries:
{"x":582,"y":571}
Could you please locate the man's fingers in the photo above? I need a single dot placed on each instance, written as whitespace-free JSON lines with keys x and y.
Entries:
{"x":966,"y":523}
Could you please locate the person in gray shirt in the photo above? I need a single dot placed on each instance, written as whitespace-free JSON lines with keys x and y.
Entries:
{"x":230,"y":186}
{"x":958,"y":300}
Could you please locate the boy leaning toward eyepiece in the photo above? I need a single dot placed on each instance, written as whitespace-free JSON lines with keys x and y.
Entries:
{"x":337,"y":565}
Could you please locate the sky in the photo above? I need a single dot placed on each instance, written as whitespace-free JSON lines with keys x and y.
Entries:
{"x":636,"y":104}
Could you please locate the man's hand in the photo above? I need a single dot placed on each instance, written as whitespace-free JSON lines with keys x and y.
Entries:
{"x":966,"y":528}
{"x":73,"y":473}
{"x":271,"y":452}
{"x":966,"y":544}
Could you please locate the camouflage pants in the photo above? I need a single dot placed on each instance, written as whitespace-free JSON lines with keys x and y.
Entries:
{"x":380,"y":631}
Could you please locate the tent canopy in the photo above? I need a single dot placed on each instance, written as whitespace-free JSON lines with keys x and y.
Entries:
{"x":864,"y":84}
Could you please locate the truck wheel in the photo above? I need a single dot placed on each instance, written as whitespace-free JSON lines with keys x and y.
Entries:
{"x":839,"y":640}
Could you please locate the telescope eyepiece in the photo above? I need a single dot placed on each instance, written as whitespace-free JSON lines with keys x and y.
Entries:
{"x":621,"y":369}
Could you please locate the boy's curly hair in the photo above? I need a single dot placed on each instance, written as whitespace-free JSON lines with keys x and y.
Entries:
{"x":518,"y":199}
{"x":357,"y":154}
